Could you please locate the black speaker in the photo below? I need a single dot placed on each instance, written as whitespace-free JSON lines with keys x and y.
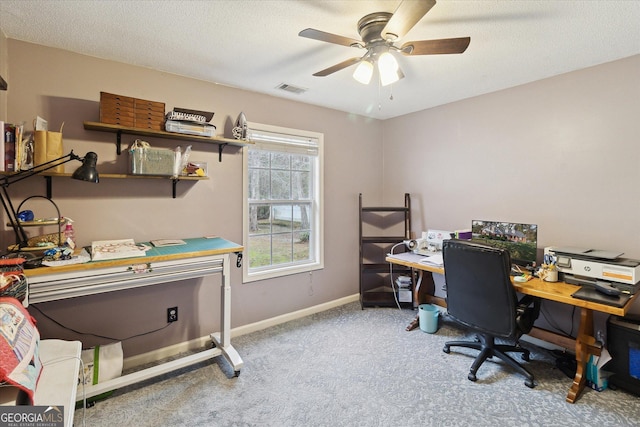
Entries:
{"x":623,"y":342}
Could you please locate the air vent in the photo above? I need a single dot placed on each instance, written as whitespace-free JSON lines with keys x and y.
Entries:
{"x":291,"y":88}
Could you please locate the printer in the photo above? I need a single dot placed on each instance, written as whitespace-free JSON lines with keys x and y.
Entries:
{"x":586,"y":266}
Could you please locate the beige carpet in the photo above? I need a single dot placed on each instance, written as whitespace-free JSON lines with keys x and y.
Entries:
{"x":353,"y":367}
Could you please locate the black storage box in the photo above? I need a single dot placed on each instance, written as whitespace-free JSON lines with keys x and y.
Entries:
{"x":623,"y":342}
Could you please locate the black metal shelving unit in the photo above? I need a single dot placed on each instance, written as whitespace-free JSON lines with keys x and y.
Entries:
{"x":382,"y":227}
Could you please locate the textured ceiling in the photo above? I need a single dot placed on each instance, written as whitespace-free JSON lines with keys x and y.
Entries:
{"x":254,"y":45}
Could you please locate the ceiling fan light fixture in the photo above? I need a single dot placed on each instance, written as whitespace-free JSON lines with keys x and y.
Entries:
{"x":363,"y":72}
{"x":389,"y":78}
{"x":387,"y":63}
{"x":388,"y":68}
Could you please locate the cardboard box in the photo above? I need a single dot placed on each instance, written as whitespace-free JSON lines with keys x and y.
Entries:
{"x":597,"y":378}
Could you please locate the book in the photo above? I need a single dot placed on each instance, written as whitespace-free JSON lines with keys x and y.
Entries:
{"x":19,"y":147}
{"x":116,"y":249}
{"x":9,"y":147}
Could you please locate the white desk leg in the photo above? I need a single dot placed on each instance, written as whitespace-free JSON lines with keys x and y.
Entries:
{"x":222,"y":340}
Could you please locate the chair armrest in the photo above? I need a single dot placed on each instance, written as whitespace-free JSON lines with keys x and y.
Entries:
{"x":528,"y":301}
{"x":528,"y":310}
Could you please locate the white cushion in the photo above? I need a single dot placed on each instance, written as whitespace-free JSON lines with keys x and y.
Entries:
{"x":59,"y":378}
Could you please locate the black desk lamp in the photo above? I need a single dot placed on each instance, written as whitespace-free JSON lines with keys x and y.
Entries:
{"x":86,"y":172}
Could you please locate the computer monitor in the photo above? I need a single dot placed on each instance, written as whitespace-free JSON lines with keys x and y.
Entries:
{"x":519,"y":239}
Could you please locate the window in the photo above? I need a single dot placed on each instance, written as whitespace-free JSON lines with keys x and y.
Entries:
{"x":283,"y":212}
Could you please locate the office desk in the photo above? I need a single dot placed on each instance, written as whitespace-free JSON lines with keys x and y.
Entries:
{"x":197,"y":258}
{"x":585,"y":343}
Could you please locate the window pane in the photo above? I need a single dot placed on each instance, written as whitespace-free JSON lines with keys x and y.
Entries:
{"x":301,"y":246}
{"x":258,"y":159}
{"x":300,"y":185}
{"x":281,"y":249}
{"x":280,"y":161}
{"x":280,"y":184}
{"x":259,"y":219}
{"x":301,"y":219}
{"x":259,"y":251}
{"x":282,"y":218}
{"x":259,"y":188}
{"x":300,"y":163}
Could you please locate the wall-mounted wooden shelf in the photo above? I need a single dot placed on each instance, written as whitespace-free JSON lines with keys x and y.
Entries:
{"x":119,"y":130}
{"x":49,"y":175}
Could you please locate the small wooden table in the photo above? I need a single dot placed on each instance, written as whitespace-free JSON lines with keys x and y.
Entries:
{"x":585,"y":342}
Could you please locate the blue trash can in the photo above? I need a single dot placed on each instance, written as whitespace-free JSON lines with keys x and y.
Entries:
{"x":428,"y":315}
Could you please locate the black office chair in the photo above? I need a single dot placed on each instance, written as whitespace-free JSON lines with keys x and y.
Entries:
{"x":480,"y":296}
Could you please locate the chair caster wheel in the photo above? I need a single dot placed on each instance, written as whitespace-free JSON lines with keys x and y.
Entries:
{"x":526,"y":357}
{"x":236,"y":374}
{"x":446,"y":349}
{"x":472,"y":377}
{"x":529,"y":383}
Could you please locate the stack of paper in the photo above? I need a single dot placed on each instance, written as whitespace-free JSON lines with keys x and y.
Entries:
{"x":435,"y":259}
{"x":403,"y":281}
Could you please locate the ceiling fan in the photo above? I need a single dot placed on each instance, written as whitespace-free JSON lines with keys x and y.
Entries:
{"x":379,"y":32}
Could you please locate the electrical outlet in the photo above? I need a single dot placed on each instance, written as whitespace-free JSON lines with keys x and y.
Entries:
{"x":172,"y":314}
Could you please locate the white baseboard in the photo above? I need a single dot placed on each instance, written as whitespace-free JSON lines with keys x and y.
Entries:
{"x":199,"y":343}
{"x":264,"y":324}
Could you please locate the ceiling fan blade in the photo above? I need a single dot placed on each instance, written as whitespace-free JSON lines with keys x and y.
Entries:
{"x":310,"y":33}
{"x":405,"y":17}
{"x":436,"y":47}
{"x":337,"y":67}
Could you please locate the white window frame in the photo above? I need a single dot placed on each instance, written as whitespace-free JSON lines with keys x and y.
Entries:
{"x":285,"y":139}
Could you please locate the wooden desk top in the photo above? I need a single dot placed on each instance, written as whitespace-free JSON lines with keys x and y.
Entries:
{"x":561,"y":292}
{"x":196,"y":247}
{"x":553,"y":291}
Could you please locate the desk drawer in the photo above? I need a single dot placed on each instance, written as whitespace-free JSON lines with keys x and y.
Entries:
{"x":56,"y":286}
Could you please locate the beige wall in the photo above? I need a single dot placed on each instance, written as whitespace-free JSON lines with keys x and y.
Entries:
{"x":562,"y":153}
{"x":65,"y":87}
